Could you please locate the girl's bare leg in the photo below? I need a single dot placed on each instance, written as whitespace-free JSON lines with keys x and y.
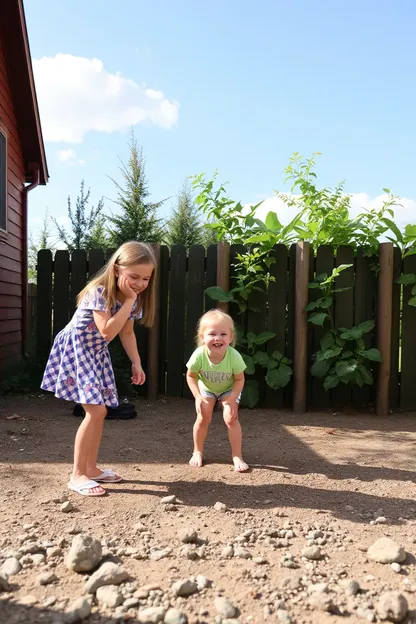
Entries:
{"x":200,"y":431}
{"x":87,"y":442}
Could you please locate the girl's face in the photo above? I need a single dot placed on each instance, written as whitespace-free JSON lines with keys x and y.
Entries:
{"x":217,"y":336}
{"x":137,"y":275}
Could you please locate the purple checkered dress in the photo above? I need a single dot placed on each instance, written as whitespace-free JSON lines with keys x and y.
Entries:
{"x":79,"y":367}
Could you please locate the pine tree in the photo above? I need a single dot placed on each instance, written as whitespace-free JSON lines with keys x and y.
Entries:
{"x":184,"y":226}
{"x":99,"y":237}
{"x":137,"y":219}
{"x":43,"y":241}
{"x":82,"y":221}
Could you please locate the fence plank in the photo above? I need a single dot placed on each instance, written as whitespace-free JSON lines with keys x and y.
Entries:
{"x":153,"y":338}
{"x":395,"y":332}
{"x":195,"y":301}
{"x":344,"y":311}
{"x":163,"y":315}
{"x":290,"y":319}
{"x":60,"y":290}
{"x":364,"y":299}
{"x":324,"y":263}
{"x":384,"y":318}
{"x":176,"y":322}
{"x":276,"y":315}
{"x":256,"y":323}
{"x":408,"y":364}
{"x":44,"y":304}
{"x":210,"y":274}
{"x":301,"y":328}
{"x":96,"y":261}
{"x":310,"y":326}
{"x":223,"y":271}
{"x":31,"y":309}
{"x":78,"y":275}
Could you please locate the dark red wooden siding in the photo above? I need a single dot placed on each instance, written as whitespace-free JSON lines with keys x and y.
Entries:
{"x":11,"y":242}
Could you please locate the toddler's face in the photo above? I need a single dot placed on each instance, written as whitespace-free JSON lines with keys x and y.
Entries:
{"x":217,"y":336}
{"x":137,"y":275}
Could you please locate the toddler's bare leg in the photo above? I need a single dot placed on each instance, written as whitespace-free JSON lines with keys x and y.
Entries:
{"x":200,"y":431}
{"x":236,"y":438}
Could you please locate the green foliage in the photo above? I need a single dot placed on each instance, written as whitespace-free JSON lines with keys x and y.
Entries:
{"x":83,"y":221}
{"x":98,"y":237}
{"x":137,"y":218}
{"x":43,"y":241}
{"x":184,"y":227}
{"x":343,"y":356}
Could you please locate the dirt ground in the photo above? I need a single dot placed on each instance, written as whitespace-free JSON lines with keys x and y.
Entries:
{"x":326,"y":472}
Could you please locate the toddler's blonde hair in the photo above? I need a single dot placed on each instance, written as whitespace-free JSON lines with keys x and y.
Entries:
{"x":129,"y":254}
{"x":210,"y":316}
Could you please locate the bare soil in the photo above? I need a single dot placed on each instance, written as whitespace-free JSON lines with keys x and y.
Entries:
{"x":329,"y":470}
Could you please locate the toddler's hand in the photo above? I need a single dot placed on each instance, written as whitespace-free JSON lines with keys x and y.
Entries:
{"x":125,"y":287}
{"x":138,"y":376}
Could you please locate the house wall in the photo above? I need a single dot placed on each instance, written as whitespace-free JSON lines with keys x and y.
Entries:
{"x":11,"y":242}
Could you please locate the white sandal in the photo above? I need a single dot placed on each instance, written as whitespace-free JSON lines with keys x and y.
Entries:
{"x":84,"y":488}
{"x":108,"y":476}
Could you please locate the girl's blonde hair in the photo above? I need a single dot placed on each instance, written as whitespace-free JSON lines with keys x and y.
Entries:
{"x":210,"y":316}
{"x":127,"y":255}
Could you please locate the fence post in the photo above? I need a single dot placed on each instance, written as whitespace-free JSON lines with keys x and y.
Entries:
{"x":384,"y":327}
{"x":223,"y":270}
{"x":301,"y":328}
{"x":154,"y":333}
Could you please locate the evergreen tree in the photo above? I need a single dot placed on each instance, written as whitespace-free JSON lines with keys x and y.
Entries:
{"x":184,"y":226}
{"x":82,"y":221}
{"x":209,"y":235}
{"x":137,"y":219}
{"x":98,"y":238}
{"x":43,"y":241}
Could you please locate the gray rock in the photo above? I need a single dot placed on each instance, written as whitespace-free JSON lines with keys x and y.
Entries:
{"x":11,"y":567}
{"x":108,"y":573}
{"x":350,"y":587}
{"x":220,"y":507}
{"x":47,"y":578}
{"x":67,"y":507}
{"x":4,"y":585}
{"x":28,"y":600}
{"x":168,"y":499}
{"x":392,"y":606}
{"x":109,"y":596}
{"x":312,"y":552}
{"x":241,"y":553}
{"x":202,"y":582}
{"x":174,"y":616}
{"x":322,"y":602}
{"x":396,"y":567}
{"x":227,"y":552}
{"x":84,"y":555}
{"x":152,"y":615}
{"x":318,"y":588}
{"x":79,"y":610}
{"x":159,"y":553}
{"x":283,"y":616}
{"x":38,"y":559}
{"x":184,"y":588}
{"x":53,"y":552}
{"x":49,"y":602}
{"x":130,"y":603}
{"x":224,"y":607}
{"x":188,"y":536}
{"x":385,"y":550}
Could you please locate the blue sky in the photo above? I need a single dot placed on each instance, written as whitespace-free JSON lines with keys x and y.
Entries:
{"x":231,"y":84}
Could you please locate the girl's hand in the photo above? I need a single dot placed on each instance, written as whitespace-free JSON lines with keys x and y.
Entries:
{"x":138,"y":376}
{"x":125,"y":287}
{"x":232,"y":407}
{"x":200,"y":400}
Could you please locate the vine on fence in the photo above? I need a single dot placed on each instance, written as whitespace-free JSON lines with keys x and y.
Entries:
{"x":343,"y":355}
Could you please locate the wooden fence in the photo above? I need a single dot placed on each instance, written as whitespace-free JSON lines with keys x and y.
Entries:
{"x":183,"y":277}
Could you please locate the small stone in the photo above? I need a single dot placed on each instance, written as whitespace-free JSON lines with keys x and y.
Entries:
{"x":79,"y":610}
{"x":170,"y":507}
{"x":227,"y":552}
{"x":283,"y":616}
{"x":168,"y":499}
{"x":385,"y":550}
{"x":67,"y":507}
{"x":392,"y":606}
{"x":350,"y":586}
{"x":38,"y":559}
{"x":260,"y":560}
{"x":380,"y":520}
{"x":188,"y":536}
{"x":202,"y":582}
{"x":60,"y":499}
{"x":241,"y":553}
{"x":46,"y":578}
{"x":220,"y":507}
{"x":108,"y":573}
{"x":158,"y":554}
{"x":53,"y":552}
{"x":318,"y":588}
{"x":322,"y":602}
{"x":130,"y":603}
{"x":152,"y":615}
{"x":4,"y":585}
{"x":349,"y":508}
{"x":28,"y":601}
{"x":224,"y":607}
{"x":396,"y":567}
{"x":174,"y":616}
{"x":49,"y":602}
{"x":11,"y":567}
{"x":109,"y":596}
{"x":312,"y":552}
{"x":184,"y":588}
{"x":85,"y":554}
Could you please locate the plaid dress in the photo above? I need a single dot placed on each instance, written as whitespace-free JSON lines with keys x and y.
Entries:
{"x":79,"y":366}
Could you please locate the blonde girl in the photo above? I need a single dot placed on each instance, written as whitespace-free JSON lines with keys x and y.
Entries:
{"x":216,"y":373}
{"x":79,"y":367}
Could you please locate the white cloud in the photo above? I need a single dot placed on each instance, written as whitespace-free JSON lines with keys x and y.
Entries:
{"x":404,"y":214}
{"x":69,"y":156}
{"x":78,"y":95}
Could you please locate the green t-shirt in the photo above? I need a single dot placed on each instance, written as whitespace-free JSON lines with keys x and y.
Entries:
{"x":216,"y":377}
